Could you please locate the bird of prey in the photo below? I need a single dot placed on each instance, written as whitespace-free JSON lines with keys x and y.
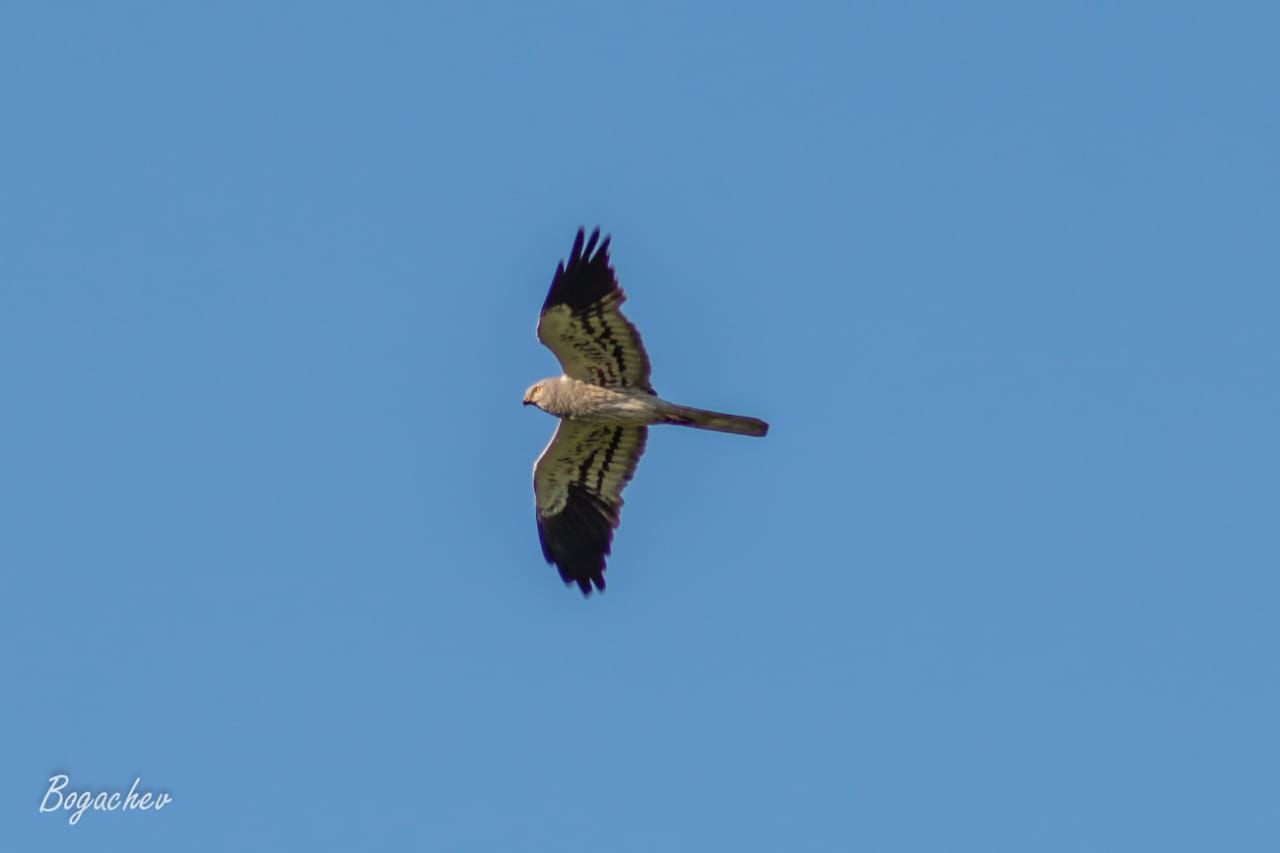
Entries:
{"x":605,"y":405}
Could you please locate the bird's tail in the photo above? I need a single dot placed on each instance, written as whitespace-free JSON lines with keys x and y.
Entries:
{"x":718,"y":421}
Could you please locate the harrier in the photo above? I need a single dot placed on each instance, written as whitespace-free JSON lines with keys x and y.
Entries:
{"x":605,"y":405}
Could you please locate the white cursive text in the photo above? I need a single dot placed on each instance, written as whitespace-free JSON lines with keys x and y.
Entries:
{"x":78,"y":802}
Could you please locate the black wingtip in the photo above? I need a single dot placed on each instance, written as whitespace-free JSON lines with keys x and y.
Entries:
{"x":583,"y":250}
{"x":586,"y":277}
{"x":585,"y":584}
{"x":576,"y":540}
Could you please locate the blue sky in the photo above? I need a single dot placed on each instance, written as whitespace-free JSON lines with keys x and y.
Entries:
{"x":1002,"y":277}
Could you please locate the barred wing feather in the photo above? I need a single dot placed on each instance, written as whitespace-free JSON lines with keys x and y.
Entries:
{"x":577,"y":486}
{"x":581,"y":320}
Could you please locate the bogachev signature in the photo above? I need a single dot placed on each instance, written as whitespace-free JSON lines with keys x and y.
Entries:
{"x":58,"y":798}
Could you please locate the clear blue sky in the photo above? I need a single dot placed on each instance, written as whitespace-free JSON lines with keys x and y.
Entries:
{"x":1003,"y":278}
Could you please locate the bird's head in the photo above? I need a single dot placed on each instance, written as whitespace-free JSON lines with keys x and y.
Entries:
{"x":533,"y":394}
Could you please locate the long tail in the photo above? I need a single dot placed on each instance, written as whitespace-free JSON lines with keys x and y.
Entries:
{"x":718,"y":421}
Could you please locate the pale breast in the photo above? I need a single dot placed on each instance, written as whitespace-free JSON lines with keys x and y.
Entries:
{"x":582,"y":401}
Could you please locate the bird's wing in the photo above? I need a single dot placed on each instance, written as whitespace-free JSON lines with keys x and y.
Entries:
{"x":582,"y":324}
{"x":577,"y":490}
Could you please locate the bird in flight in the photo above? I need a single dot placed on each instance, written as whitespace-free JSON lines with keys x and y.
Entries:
{"x":605,"y":405}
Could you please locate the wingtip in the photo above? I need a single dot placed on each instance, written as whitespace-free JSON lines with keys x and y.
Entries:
{"x":589,"y":585}
{"x":586,"y":584}
{"x":585,"y":246}
{"x":586,"y":276}
{"x":590,"y":251}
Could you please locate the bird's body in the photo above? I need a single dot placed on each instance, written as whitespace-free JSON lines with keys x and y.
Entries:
{"x":575,"y":400}
{"x":605,"y":403}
